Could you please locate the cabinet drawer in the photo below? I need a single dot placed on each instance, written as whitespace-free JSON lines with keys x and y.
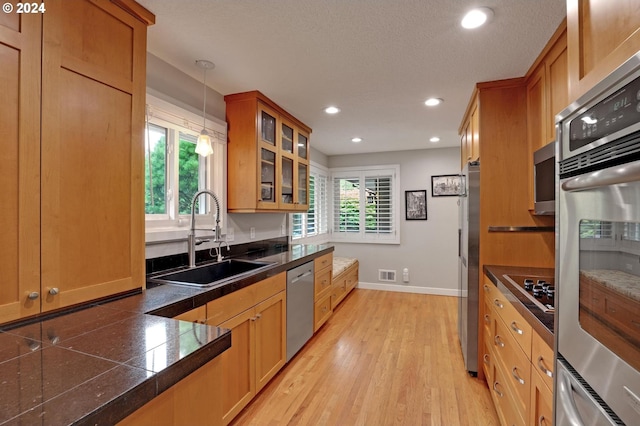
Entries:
{"x":322,"y":283}
{"x":542,"y":359}
{"x":223,"y":308}
{"x":515,"y":365}
{"x":502,"y":399}
{"x":487,"y":361}
{"x":323,"y":261}
{"x":352,"y":278}
{"x":339,"y":290}
{"x":518,"y":327}
{"x":322,"y":311}
{"x":487,"y":315}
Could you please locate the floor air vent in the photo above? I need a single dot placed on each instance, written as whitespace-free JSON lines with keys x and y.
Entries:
{"x":387,"y":275}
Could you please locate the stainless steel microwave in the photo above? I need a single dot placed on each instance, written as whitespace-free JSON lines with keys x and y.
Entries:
{"x":544,"y":180}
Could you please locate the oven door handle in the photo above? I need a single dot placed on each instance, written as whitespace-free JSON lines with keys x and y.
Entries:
{"x":565,"y":390}
{"x":624,"y":173}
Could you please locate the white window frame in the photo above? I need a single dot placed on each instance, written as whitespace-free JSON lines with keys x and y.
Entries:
{"x":362,"y":173}
{"x":174,"y":226}
{"x":322,"y":211}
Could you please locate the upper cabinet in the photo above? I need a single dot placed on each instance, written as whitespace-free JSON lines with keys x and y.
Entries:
{"x":73,"y":126}
{"x":267,"y":156}
{"x":601,"y":36}
{"x":470,"y":133}
{"x":547,"y":95}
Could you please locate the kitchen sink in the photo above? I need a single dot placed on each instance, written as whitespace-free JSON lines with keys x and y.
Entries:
{"x":213,"y":274}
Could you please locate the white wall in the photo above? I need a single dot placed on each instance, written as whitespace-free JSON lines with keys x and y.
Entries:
{"x":429,"y":249}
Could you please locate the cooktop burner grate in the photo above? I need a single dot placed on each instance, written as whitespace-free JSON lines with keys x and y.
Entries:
{"x":539,"y":290}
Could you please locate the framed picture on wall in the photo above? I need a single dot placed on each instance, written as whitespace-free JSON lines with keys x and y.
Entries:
{"x":415,"y":205}
{"x":446,"y":185}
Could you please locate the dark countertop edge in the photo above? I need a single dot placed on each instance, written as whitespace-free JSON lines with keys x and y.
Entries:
{"x":542,"y":322}
{"x":123,"y":405}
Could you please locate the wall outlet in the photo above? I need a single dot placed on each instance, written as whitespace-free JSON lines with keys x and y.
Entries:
{"x":229,"y":235}
{"x":252,"y":233}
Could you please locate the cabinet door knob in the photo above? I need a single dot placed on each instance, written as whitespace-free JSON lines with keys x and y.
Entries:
{"x":498,"y":303}
{"x":498,"y":341}
{"x":33,"y":295}
{"x":53,"y":291}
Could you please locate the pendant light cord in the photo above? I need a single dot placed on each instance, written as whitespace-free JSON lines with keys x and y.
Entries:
{"x":204,"y":105}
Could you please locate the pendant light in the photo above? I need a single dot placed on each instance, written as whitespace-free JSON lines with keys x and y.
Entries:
{"x":203,"y":146}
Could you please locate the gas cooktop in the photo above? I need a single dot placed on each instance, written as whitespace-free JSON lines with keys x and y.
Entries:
{"x":539,"y":290}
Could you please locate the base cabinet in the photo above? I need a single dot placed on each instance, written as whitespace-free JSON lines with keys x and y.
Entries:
{"x":343,"y":284}
{"x":195,"y":400}
{"x":256,"y":316}
{"x":518,"y":364}
{"x":323,"y":273}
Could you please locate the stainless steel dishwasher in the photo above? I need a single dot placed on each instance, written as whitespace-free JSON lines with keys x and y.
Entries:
{"x":299,"y":307}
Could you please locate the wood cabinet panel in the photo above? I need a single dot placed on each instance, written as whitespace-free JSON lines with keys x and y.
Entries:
{"x":503,"y":400}
{"x":541,"y":405}
{"x":542,"y":360}
{"x":20,"y":38}
{"x":322,"y":311}
{"x":92,"y":156}
{"x":515,"y":325}
{"x":194,"y":400}
{"x":238,"y":366}
{"x":271,"y":340}
{"x":601,"y":36}
{"x":324,"y":261}
{"x":322,"y":282}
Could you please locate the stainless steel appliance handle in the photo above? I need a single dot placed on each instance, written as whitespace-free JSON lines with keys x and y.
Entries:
{"x":629,"y":172}
{"x":565,"y":390}
{"x":301,"y":276}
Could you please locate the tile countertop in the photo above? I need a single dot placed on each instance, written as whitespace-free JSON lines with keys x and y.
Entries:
{"x":99,"y":364}
{"x":541,"y":322}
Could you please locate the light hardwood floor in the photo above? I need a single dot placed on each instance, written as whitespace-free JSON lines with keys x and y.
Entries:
{"x":383,"y":358}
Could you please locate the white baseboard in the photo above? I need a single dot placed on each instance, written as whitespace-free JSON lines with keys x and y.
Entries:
{"x":409,"y":289}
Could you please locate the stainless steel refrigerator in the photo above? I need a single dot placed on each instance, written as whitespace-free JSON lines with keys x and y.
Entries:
{"x":468,"y":264}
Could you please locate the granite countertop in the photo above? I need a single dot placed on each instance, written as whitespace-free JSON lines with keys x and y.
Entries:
{"x":103,"y":361}
{"x":542,"y":322}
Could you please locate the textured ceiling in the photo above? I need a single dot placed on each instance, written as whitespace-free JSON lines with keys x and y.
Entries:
{"x":378,"y":60}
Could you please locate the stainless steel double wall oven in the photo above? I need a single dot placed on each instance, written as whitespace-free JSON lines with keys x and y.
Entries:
{"x":598,"y":257}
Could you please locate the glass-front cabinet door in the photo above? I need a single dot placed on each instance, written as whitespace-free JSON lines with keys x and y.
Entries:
{"x":303,"y":185}
{"x":303,"y":146}
{"x":268,"y":158}
{"x":286,"y":200}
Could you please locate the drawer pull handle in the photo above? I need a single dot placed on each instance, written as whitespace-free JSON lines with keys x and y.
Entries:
{"x":485,"y":359}
{"x":515,"y":328}
{"x":542,"y":421}
{"x":495,"y":389}
{"x":486,"y":288}
{"x":497,"y":303}
{"x":543,"y":368}
{"x":33,"y":295}
{"x":487,"y":319}
{"x":514,"y":373}
{"x":498,"y":341}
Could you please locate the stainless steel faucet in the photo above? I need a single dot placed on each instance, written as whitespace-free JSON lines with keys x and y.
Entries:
{"x":219,"y":256}
{"x":192,"y":240}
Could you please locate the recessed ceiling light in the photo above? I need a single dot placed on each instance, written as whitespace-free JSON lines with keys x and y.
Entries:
{"x":332,"y":110}
{"x":434,"y":139}
{"x":433,"y":101}
{"x":356,"y":140}
{"x":476,"y":17}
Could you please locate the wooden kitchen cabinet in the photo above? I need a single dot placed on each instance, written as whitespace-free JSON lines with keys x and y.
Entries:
{"x":256,"y":316}
{"x":343,"y":283}
{"x":323,"y":273}
{"x":519,"y":363}
{"x":547,"y":95}
{"x":194,"y":400}
{"x":601,"y":36}
{"x":470,"y":133}
{"x":267,"y":156}
{"x":73,"y":124}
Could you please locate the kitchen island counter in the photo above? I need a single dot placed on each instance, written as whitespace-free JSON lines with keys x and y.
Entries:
{"x":104,"y":360}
